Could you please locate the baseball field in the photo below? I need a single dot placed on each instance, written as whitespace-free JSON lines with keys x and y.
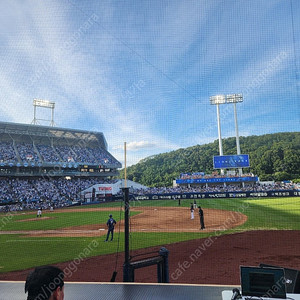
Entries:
{"x":238,"y":231}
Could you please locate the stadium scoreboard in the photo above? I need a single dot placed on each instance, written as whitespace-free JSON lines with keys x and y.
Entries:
{"x":231,"y":161}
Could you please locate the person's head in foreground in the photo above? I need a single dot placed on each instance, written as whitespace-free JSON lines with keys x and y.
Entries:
{"x":45,"y":283}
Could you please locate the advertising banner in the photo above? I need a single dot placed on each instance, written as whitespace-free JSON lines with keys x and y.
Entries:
{"x":247,"y":194}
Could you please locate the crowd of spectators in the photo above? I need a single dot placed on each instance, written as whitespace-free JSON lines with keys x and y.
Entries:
{"x":103,"y":156}
{"x":27,"y":153}
{"x":7,"y":152}
{"x":91,"y":155}
{"x":84,"y":155}
{"x":257,"y":187}
{"x":66,"y":154}
{"x":33,"y":206}
{"x":48,"y":153}
{"x":41,"y":192}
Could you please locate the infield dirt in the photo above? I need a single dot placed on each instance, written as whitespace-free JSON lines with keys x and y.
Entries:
{"x":150,"y":219}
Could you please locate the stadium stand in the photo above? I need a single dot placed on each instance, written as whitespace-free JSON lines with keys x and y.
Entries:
{"x":215,"y":188}
{"x":7,"y":152}
{"x":42,"y":146}
{"x":27,"y":153}
{"x":48,"y":153}
{"x":44,"y":166}
{"x":32,"y":193}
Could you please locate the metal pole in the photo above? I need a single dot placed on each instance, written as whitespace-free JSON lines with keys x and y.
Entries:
{"x":236,"y":130}
{"x":125,"y":166}
{"x":34,"y":114}
{"x":165,"y":254}
{"x":219,"y":130}
{"x":52,"y":116}
{"x":219,"y":134}
{"x":238,"y":149}
{"x":126,"y":266}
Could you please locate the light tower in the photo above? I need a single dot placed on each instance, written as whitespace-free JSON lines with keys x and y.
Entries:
{"x":216,"y":100}
{"x":44,"y":104}
{"x":228,"y":99}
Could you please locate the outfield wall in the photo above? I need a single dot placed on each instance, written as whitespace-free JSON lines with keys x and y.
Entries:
{"x":248,"y":194}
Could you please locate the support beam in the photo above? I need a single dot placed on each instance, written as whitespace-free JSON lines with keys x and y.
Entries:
{"x":126,"y":270}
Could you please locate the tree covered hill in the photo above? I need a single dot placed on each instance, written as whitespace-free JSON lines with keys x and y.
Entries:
{"x":272,"y":157}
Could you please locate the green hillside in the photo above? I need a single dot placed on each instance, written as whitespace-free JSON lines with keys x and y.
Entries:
{"x":272,"y":157}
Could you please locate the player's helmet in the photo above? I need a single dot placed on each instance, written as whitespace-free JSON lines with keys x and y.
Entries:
{"x":110,"y":216}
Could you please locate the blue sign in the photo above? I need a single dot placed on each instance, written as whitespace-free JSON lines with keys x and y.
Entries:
{"x":231,"y":161}
{"x":218,"y":180}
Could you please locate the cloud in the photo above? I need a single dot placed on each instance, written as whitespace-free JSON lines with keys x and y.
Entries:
{"x":140,"y":145}
{"x":131,"y":70}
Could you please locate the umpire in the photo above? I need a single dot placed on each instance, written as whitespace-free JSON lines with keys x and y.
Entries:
{"x":110,"y":226}
{"x":201,"y":215}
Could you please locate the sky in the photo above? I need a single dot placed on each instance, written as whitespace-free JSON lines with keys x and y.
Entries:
{"x":142,"y":72}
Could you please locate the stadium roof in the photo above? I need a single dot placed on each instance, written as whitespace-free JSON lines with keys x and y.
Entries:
{"x":39,"y":131}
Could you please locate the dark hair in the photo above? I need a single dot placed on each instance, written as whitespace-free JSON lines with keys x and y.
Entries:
{"x":43,"y":281}
{"x":110,"y":216}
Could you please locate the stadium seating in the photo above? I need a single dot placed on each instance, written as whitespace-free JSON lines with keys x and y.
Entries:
{"x":31,"y":193}
{"x":27,"y":153}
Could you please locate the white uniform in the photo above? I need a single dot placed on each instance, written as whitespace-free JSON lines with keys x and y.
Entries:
{"x":192,"y":214}
{"x":192,"y":211}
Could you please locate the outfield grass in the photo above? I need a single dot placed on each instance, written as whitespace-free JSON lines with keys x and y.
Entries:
{"x":20,"y":252}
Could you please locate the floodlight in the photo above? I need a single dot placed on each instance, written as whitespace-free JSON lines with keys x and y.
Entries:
{"x":43,"y":103}
{"x":218,"y":99}
{"x":234,"y":98}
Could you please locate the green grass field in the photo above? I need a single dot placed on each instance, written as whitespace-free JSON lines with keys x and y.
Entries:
{"x":21,"y":252}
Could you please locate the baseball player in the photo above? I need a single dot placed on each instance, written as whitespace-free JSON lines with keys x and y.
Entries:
{"x":192,"y":211}
{"x":110,"y":227}
{"x":39,"y":213}
{"x":201,"y":215}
